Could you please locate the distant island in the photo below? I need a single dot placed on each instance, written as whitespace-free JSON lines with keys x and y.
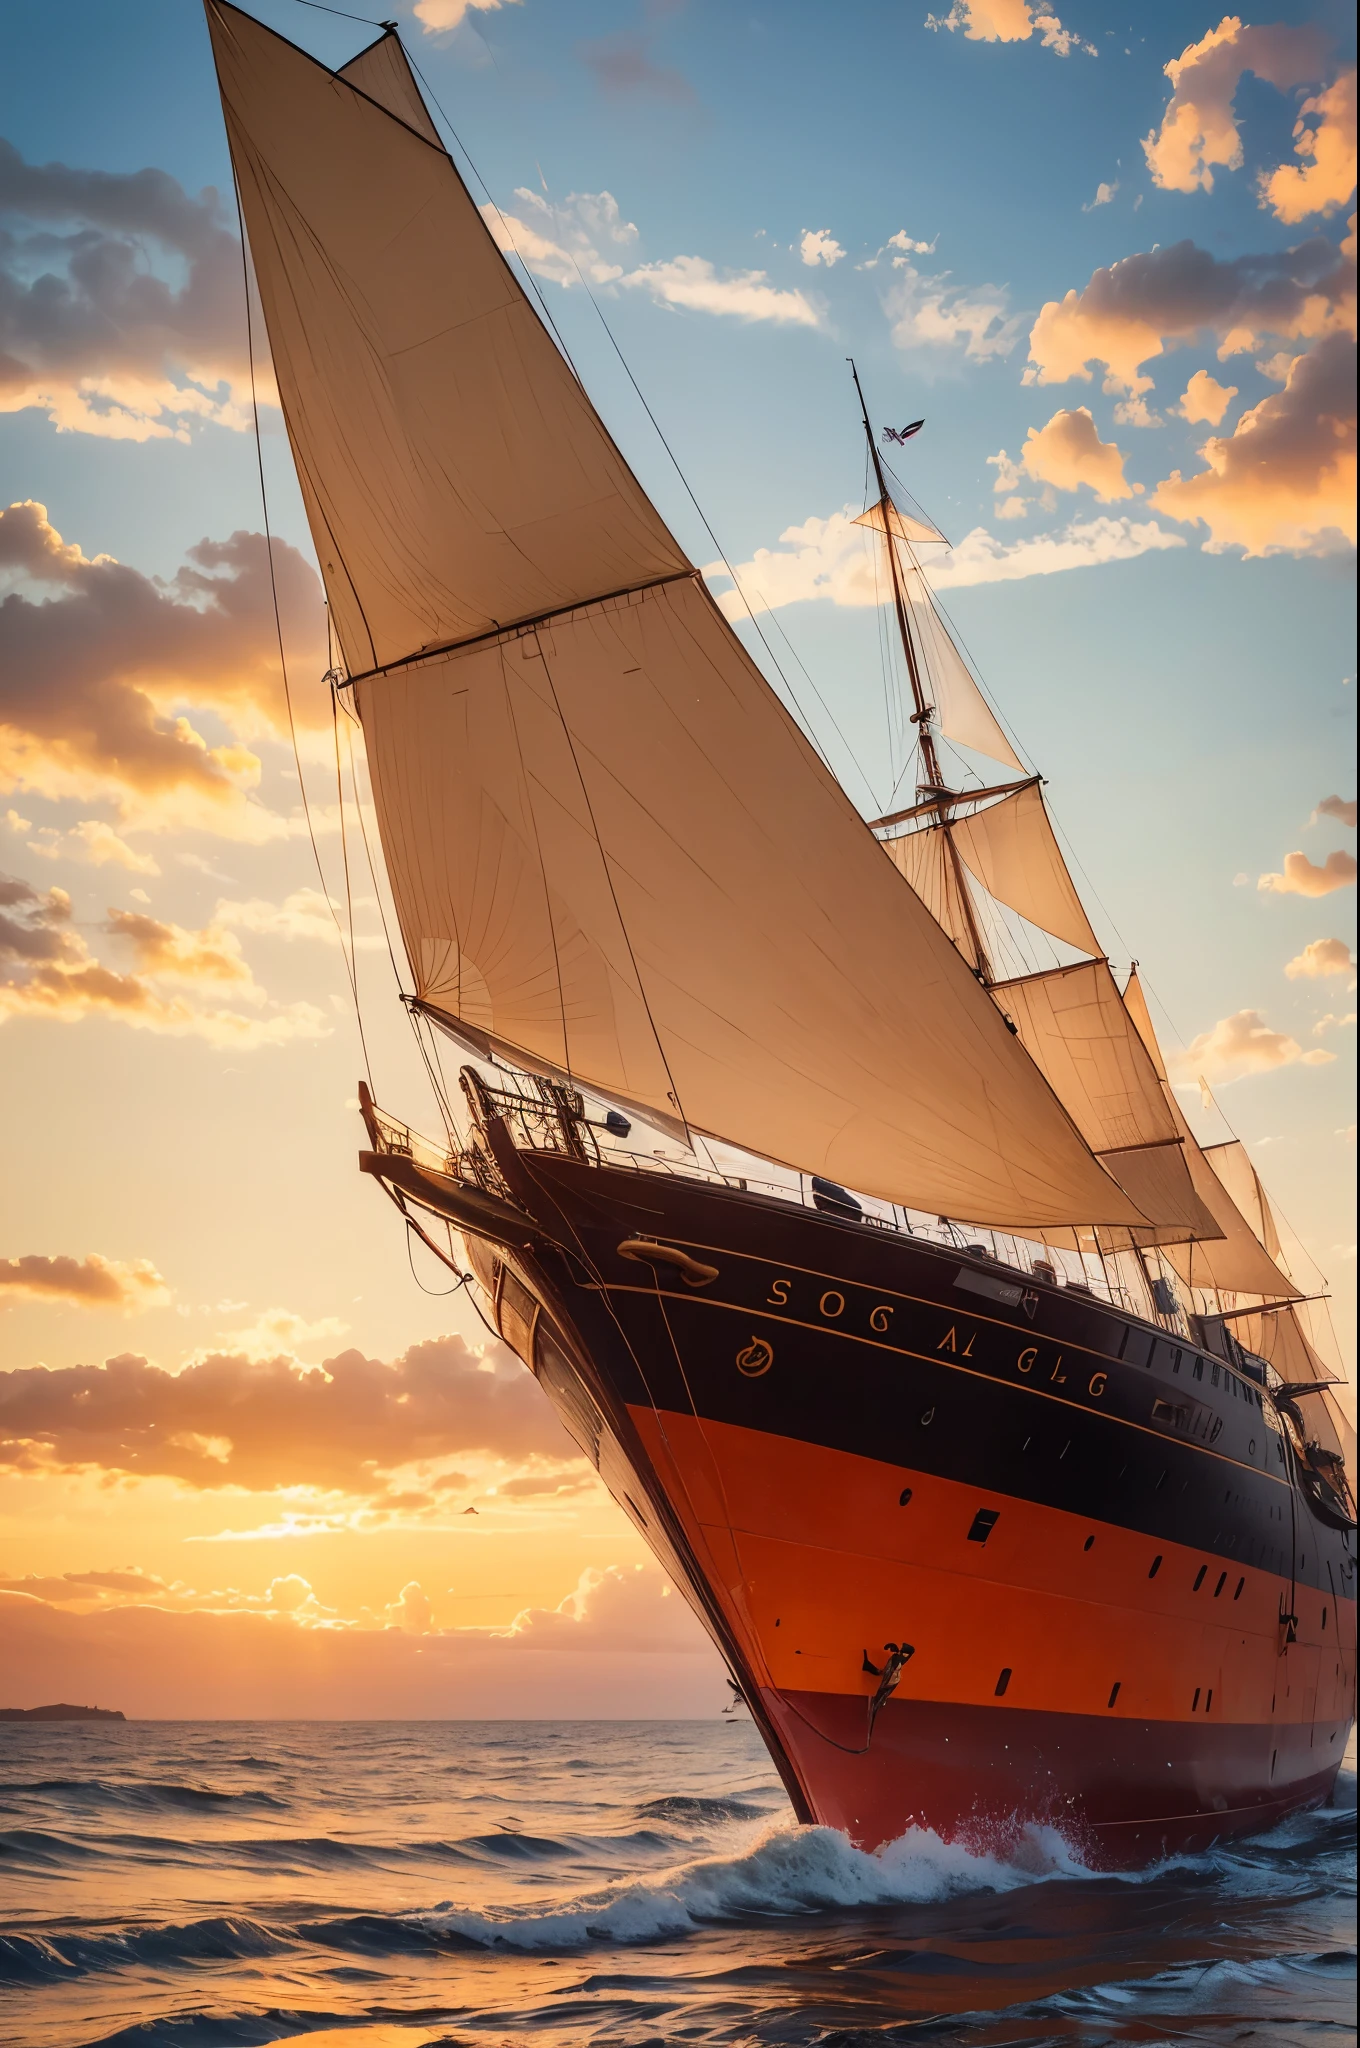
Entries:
{"x":61,"y":1712}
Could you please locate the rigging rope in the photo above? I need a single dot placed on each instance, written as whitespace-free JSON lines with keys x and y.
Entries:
{"x":278,"y":627}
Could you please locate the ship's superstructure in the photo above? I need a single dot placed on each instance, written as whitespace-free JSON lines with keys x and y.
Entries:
{"x":1037,"y":1515}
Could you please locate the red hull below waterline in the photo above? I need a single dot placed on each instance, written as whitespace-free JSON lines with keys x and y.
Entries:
{"x":1120,"y":1794}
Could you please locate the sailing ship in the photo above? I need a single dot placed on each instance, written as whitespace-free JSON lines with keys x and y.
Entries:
{"x":976,"y":1409}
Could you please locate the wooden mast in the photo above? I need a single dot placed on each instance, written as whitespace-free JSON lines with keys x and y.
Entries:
{"x":936,"y":787}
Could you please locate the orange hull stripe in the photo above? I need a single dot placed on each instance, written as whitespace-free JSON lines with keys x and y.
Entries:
{"x":816,"y":1563}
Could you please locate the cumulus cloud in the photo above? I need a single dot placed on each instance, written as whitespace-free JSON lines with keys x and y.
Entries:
{"x":1302,"y":877}
{"x":623,"y":1646}
{"x":819,"y":245}
{"x":91,"y":1282}
{"x":1338,"y":807}
{"x":1331,"y":1022}
{"x":930,"y":313}
{"x":1009,"y":21}
{"x":1285,"y":478}
{"x":96,"y":658}
{"x":1321,"y":958}
{"x":1199,"y":131}
{"x":692,"y":283}
{"x":1205,"y":399}
{"x":1105,"y":192}
{"x":586,"y":235}
{"x":580,"y":237}
{"x":830,"y":559}
{"x":1127,"y":314}
{"x":95,"y":841}
{"x":1240,"y":1045}
{"x":229,"y":1420}
{"x":435,"y":16}
{"x":1069,"y":454}
{"x":1324,"y":135}
{"x":47,"y":970}
{"x":121,"y":309}
{"x":411,"y":1610}
{"x":305,"y":914}
{"x":614,"y":1609}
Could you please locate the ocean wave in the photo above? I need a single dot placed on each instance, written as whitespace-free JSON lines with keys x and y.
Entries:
{"x":48,"y":1958}
{"x":679,"y":1806}
{"x":792,"y":1871}
{"x":144,"y":1795}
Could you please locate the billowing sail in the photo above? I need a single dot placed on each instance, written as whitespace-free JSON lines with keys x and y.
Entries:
{"x":923,"y":857}
{"x":613,"y":854}
{"x":1075,"y":1027}
{"x":885,"y":517}
{"x":1010,"y":848}
{"x":456,"y":476}
{"x":1232,"y":1163}
{"x":962,"y":713}
{"x":1236,"y":1262}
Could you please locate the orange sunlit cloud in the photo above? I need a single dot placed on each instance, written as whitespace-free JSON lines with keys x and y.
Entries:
{"x":1240,"y":1045}
{"x":1199,"y":130}
{"x":98,"y":658}
{"x":1069,"y":454}
{"x":92,"y":335}
{"x":621,"y":1635}
{"x":1324,"y":136}
{"x":1285,"y":478}
{"x":48,"y":970}
{"x":229,"y":1420}
{"x":1303,"y":877}
{"x":1321,"y":958}
{"x":1128,"y":314}
{"x":91,"y":1282}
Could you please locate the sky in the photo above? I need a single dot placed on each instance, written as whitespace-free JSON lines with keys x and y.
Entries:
{"x":253,"y":1458}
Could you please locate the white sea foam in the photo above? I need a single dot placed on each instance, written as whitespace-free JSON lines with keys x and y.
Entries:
{"x":789,"y":1871}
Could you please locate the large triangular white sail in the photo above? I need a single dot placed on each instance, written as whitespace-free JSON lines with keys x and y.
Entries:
{"x":456,"y":476}
{"x":612,"y":852}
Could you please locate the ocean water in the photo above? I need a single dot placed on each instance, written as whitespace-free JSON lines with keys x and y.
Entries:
{"x":395,"y":1884}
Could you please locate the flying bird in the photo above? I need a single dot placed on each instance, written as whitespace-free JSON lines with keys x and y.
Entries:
{"x":901,"y":434}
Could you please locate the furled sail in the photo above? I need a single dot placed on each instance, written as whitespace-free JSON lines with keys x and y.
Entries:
{"x":1235,"y":1261}
{"x":1010,"y":848}
{"x":612,"y":852}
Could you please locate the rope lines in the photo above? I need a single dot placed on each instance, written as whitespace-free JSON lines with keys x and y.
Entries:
{"x":283,"y":659}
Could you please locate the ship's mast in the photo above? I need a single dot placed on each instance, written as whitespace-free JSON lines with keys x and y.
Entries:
{"x":934,"y":785}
